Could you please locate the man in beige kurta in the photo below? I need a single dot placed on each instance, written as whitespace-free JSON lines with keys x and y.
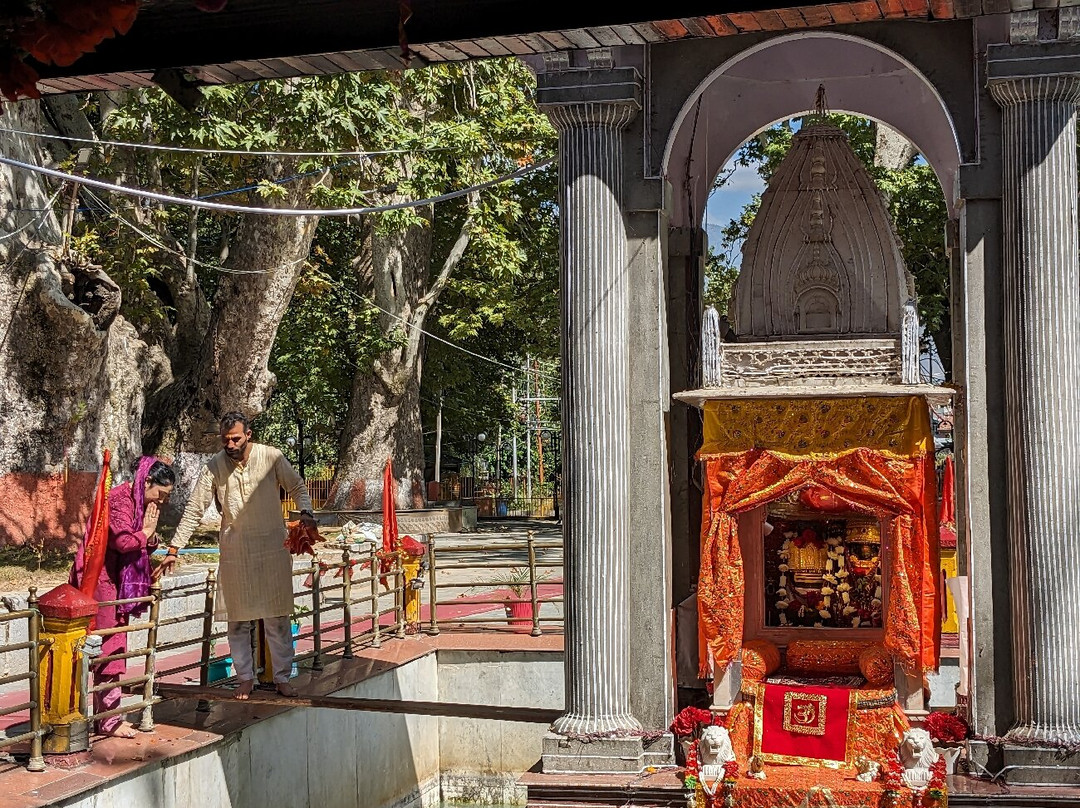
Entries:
{"x":255,"y":573}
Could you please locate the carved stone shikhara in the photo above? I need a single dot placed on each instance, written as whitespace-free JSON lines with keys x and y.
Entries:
{"x":823,"y":299}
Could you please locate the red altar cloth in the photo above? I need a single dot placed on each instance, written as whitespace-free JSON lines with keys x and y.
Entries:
{"x":803,"y":725}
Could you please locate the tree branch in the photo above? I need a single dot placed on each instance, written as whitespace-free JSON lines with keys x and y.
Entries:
{"x":453,"y":259}
{"x":419,"y":313}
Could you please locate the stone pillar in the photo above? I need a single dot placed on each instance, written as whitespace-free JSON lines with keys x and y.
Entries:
{"x":590,"y":108}
{"x":1041,"y":261}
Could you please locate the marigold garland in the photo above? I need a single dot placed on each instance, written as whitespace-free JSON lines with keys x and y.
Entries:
{"x":55,"y":32}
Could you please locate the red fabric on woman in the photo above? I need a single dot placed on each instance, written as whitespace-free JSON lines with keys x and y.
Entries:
{"x":125,"y":538}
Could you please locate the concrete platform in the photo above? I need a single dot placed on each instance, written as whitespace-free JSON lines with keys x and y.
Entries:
{"x":451,"y":519}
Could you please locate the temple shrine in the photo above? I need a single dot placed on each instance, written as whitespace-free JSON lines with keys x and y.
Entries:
{"x":755,"y":472}
{"x":819,"y":590}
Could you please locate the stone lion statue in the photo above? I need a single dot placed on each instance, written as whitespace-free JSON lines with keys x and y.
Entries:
{"x":918,"y":755}
{"x":715,"y":747}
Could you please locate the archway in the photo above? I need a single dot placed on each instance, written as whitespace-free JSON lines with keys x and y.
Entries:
{"x":777,"y":79}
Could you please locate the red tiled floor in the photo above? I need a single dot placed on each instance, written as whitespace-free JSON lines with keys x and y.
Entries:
{"x":74,"y":783}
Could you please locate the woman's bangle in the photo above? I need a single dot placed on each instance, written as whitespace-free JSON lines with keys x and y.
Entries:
{"x":172,"y":551}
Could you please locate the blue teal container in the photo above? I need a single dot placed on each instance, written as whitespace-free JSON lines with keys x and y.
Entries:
{"x":218,"y":670}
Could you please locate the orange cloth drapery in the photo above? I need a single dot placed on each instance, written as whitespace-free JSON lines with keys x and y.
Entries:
{"x":873,"y":454}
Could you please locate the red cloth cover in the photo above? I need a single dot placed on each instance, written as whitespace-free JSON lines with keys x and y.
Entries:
{"x":802,"y":725}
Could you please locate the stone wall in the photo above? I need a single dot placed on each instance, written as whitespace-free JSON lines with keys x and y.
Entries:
{"x":344,"y":759}
{"x":481,"y":761}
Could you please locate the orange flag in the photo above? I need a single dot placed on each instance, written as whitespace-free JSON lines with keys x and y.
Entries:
{"x":389,"y":514}
{"x":96,"y":538}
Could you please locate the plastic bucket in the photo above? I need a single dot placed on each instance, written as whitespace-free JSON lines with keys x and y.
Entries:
{"x":218,"y":669}
{"x":520,"y":613}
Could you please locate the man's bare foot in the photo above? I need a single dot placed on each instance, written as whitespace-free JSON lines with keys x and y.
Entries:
{"x":287,"y":690}
{"x":244,"y":691}
{"x":123,"y":730}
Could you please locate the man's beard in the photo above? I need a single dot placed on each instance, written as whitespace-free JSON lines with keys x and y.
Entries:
{"x":235,"y":454}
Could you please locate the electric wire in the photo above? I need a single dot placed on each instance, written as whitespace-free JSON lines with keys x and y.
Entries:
{"x":33,"y":222}
{"x":323,"y":275}
{"x":114,"y":214}
{"x":198,"y":150}
{"x":263,"y":211}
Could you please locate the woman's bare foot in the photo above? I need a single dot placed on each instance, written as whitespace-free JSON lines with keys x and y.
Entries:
{"x":244,"y":691}
{"x":287,"y":690}
{"x":123,"y":730}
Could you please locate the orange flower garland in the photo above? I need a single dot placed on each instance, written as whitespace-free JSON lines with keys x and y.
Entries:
{"x":58,"y":32}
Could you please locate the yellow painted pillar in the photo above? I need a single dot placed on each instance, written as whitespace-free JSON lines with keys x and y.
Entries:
{"x":949,"y":624}
{"x":410,"y":566}
{"x":66,"y":613}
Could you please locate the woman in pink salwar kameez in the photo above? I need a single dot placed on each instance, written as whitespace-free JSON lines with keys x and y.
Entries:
{"x":133,"y":519}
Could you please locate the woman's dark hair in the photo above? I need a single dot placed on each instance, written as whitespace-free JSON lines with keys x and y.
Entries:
{"x":161,"y":474}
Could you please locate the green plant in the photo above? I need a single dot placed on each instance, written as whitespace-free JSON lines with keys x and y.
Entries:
{"x":520,"y":580}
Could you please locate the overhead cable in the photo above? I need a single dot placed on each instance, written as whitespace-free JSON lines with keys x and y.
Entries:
{"x":197,"y":150}
{"x":207,"y":205}
{"x":335,"y":283}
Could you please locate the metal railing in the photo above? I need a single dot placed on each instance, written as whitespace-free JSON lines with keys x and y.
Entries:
{"x":345,"y":604}
{"x":92,"y":658}
{"x":341,"y":596}
{"x":516,"y":591}
{"x":32,"y":646}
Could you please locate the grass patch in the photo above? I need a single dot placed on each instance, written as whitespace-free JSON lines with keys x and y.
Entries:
{"x":22,"y":567}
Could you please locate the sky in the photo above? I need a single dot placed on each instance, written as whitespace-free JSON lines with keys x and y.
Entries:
{"x":727,"y":203}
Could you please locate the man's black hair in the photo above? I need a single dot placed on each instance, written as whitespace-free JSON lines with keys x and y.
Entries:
{"x":161,"y":474}
{"x":231,"y":418}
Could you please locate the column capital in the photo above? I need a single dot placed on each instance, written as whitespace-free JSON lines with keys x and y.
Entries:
{"x":1011,"y":91}
{"x":1047,"y":71}
{"x":605,"y":97}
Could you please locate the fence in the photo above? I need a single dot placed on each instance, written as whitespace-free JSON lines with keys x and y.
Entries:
{"x":517,"y":591}
{"x":32,"y":645}
{"x":91,"y":658}
{"x":355,"y":601}
{"x":318,"y":488}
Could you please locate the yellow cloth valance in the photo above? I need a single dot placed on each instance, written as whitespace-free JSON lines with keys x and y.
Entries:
{"x":898,"y":425}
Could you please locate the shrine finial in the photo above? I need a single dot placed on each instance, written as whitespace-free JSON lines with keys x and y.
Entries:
{"x":821,"y":106}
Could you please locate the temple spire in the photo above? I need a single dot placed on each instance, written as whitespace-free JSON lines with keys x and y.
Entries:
{"x":821,"y":105}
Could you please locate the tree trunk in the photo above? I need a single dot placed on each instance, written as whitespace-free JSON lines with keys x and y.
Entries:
{"x":229,"y":370}
{"x":71,"y":377}
{"x":891,"y":149}
{"x":384,"y":410}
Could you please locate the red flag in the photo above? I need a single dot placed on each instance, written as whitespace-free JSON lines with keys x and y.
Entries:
{"x":389,"y":515}
{"x":948,"y":493}
{"x":96,"y":538}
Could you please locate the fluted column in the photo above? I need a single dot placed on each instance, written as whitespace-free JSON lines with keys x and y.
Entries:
{"x":595,"y":394}
{"x":1041,"y":259}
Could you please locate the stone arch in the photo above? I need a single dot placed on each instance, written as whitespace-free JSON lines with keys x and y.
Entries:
{"x":817,"y":311}
{"x":775,"y":79}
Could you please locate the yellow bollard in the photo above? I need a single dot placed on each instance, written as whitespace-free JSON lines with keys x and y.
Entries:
{"x":66,"y":613}
{"x":265,"y":664}
{"x":410,"y":566}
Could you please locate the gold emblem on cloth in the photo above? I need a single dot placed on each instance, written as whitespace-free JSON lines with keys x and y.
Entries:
{"x":804,"y":713}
